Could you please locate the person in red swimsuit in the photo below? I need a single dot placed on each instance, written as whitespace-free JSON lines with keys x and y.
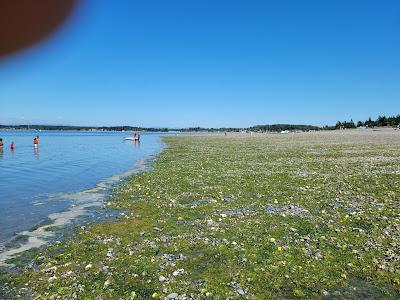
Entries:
{"x":36,"y":141}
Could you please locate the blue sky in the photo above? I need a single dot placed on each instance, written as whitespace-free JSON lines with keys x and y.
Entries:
{"x":210,"y":63}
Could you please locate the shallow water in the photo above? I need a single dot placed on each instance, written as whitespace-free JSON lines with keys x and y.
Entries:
{"x":68,"y":168}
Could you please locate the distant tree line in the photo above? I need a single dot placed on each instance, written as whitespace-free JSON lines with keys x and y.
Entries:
{"x":381,"y":121}
{"x":283,"y":127}
{"x":81,"y":128}
{"x":203,"y":129}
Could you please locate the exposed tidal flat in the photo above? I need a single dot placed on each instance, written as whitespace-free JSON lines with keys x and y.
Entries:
{"x":310,"y":215}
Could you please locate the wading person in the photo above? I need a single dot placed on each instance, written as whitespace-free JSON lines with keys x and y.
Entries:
{"x":36,"y":142}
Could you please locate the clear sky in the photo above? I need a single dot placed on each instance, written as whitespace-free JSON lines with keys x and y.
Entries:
{"x":211,"y":63}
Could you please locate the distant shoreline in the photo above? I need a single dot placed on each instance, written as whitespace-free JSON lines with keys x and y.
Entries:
{"x":380,"y":122}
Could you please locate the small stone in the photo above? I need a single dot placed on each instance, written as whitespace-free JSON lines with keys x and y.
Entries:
{"x":106,"y":284}
{"x":318,"y":256}
{"x":88,"y":267}
{"x":240,"y":291}
{"x":162,"y":278}
{"x":178,"y":272}
{"x":51,"y":270}
{"x":172,"y":296}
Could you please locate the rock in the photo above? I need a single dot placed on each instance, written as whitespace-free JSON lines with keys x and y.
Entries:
{"x":51,"y":270}
{"x":178,"y":272}
{"x":227,"y":198}
{"x":88,"y":267}
{"x":287,"y":210}
{"x":172,"y":296}
{"x":318,"y":256}
{"x":105,"y":269}
{"x":240,"y":291}
{"x":162,"y":278}
{"x":106,"y":284}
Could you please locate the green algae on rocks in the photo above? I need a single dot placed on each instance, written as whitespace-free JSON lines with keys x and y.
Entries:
{"x":312,"y":215}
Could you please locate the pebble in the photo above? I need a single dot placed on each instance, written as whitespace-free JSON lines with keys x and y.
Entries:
{"x":106,"y":284}
{"x":172,"y":296}
{"x":178,"y":272}
{"x":133,"y":295}
{"x":240,"y":291}
{"x":318,"y":256}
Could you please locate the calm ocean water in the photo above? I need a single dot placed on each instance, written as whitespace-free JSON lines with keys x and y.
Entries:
{"x":33,"y":183}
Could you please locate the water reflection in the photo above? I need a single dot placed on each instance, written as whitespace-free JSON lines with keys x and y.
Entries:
{"x":36,"y":152}
{"x":135,"y":143}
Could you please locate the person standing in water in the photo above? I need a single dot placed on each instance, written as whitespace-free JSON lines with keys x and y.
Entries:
{"x":36,"y":142}
{"x":1,"y":147}
{"x":12,"y":146}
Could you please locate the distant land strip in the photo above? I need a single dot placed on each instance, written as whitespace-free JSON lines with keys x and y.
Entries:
{"x":381,"y":121}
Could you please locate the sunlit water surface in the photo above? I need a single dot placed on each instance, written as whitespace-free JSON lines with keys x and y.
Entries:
{"x":34,"y":182}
